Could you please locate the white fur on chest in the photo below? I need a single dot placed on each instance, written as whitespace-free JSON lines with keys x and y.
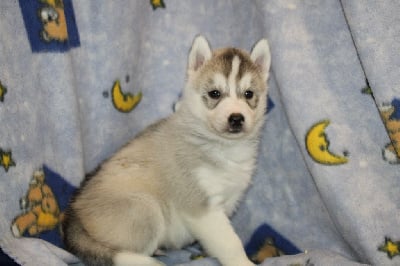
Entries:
{"x":225,"y":180}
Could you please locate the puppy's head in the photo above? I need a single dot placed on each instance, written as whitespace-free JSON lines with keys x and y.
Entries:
{"x":226,"y":89}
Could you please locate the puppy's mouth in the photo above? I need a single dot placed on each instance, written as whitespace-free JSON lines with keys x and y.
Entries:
{"x":235,"y":130}
{"x":234,"y":133}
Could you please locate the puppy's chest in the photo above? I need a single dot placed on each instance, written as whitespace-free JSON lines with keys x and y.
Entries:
{"x":225,"y":179}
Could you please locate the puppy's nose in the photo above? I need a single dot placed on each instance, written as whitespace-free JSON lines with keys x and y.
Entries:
{"x":235,"y":122}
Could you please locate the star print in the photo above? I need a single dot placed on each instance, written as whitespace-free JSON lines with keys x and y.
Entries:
{"x":391,"y":248}
{"x":3,"y":91}
{"x":6,"y":159}
{"x":157,"y":3}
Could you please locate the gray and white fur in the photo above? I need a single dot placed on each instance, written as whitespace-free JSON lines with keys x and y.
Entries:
{"x":180,"y":179}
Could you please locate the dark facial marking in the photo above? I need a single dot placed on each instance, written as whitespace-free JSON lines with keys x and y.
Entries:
{"x":213,"y":97}
{"x":246,"y":65}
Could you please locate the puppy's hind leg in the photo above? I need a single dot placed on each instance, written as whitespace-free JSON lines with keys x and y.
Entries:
{"x":146,"y":229}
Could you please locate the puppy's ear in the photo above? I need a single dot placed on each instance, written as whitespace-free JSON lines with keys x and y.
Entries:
{"x":261,"y":56}
{"x":199,"y":53}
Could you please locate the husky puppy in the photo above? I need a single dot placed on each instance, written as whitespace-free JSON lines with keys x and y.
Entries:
{"x":181,"y":178}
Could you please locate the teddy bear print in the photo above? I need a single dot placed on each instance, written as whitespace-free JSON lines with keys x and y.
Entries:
{"x":391,"y":152}
{"x":40,"y":209}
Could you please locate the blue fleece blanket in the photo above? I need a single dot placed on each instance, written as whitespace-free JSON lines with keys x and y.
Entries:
{"x":79,"y":79}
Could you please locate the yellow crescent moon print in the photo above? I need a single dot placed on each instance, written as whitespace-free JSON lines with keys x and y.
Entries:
{"x":124,"y":102}
{"x":317,"y":145}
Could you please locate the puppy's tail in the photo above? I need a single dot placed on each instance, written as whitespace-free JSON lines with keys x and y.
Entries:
{"x":94,"y":253}
{"x":79,"y":242}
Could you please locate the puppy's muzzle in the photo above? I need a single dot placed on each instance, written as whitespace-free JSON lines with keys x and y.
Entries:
{"x":235,"y":122}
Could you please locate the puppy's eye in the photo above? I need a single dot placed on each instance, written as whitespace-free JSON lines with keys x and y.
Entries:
{"x":214,"y":94}
{"x":248,"y":94}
